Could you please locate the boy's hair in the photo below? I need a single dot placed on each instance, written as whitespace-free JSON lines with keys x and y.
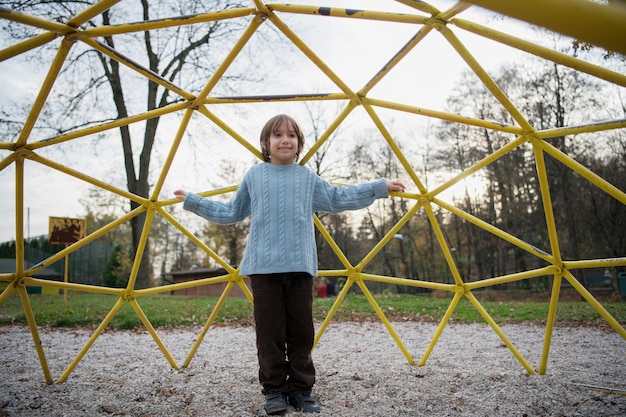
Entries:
{"x":271,"y":125}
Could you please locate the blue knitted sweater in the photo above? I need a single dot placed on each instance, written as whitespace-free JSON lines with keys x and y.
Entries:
{"x":282,"y":200}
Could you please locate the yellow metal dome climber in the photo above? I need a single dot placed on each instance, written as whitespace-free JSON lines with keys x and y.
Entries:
{"x":604,"y":27}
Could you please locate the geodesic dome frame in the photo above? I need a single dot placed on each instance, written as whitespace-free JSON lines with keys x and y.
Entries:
{"x":605,"y":28}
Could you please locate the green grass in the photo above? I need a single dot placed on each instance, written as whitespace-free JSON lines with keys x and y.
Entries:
{"x":86,"y":309}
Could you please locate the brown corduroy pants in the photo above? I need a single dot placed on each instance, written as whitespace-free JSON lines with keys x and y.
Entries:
{"x":283,"y":314}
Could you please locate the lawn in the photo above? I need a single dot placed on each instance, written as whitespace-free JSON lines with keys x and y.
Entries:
{"x":87,"y":309}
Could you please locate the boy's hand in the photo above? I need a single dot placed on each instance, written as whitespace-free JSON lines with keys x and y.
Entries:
{"x":180,"y":194}
{"x":395,"y":186}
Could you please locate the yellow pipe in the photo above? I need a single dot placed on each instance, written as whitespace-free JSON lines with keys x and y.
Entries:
{"x":603,"y":23}
{"x":500,"y":333}
{"x":385,"y":321}
{"x":32,"y":324}
{"x":576,"y":130}
{"x":594,"y":303}
{"x":542,"y":52}
{"x":410,"y":282}
{"x":441,"y":327}
{"x":544,"y":188}
{"x":44,"y":91}
{"x":331,"y":128}
{"x":91,"y":12}
{"x":348,"y":13}
{"x":232,"y":54}
{"x":547,"y":270}
{"x":7,"y":292}
{"x":141,"y":247}
{"x":102,"y":31}
{"x":281,"y":98}
{"x":495,"y":231}
{"x":403,"y":220}
{"x":34,"y":21}
{"x":443,"y":244}
{"x":19,"y":216}
{"x":547,"y":340}
{"x":484,"y":77}
{"x":144,"y":319}
{"x":226,"y":128}
{"x":394,"y":147}
{"x":208,"y":323}
{"x":167,"y":164}
{"x":114,"y":124}
{"x":29,"y":282}
{"x":183,"y":285}
{"x":333,"y":309}
{"x":331,"y":242}
{"x":595,"y":263}
{"x":195,"y":239}
{"x":500,"y":127}
{"x":91,"y":340}
{"x":79,"y":175}
{"x":311,"y":55}
{"x":499,"y":153}
{"x":27,"y":45}
{"x":158,"y":79}
{"x":584,"y":172}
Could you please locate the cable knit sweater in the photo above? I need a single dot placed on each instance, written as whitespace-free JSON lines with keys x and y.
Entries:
{"x":282,"y":200}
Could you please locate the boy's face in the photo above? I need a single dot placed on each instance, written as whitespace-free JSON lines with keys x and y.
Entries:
{"x":283,"y":144}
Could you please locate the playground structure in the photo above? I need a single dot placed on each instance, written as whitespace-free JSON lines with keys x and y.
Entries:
{"x":605,"y":27}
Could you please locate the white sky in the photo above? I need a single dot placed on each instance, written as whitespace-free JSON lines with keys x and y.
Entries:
{"x":355,"y":50}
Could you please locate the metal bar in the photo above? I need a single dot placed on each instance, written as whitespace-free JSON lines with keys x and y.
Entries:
{"x":547,"y":270}
{"x":547,"y":340}
{"x":311,"y":55}
{"x":91,"y":12}
{"x":500,"y":333}
{"x":385,"y":321}
{"x":167,"y":22}
{"x":603,"y":23}
{"x":331,"y":242}
{"x":27,"y":45}
{"x":29,"y":282}
{"x":495,"y":231}
{"x":485,"y":78}
{"x":183,"y":285}
{"x":500,"y":127}
{"x":208,"y":323}
{"x":542,"y":52}
{"x":544,"y":188}
{"x":143,"y":241}
{"x":333,"y":309}
{"x":228,"y":60}
{"x":114,"y":124}
{"x":167,"y":164}
{"x":586,"y":173}
{"x":348,"y":13}
{"x":587,"y":128}
{"x":32,"y":324}
{"x":444,"y":321}
{"x":595,"y":263}
{"x":445,"y":248}
{"x":144,"y":319}
{"x":92,"y":339}
{"x":34,"y":21}
{"x":409,"y":282}
{"x":79,"y":175}
{"x":594,"y":303}
{"x":226,"y":128}
{"x":7,"y":292}
{"x":44,"y":91}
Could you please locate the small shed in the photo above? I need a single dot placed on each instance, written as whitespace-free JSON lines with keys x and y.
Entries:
{"x":210,"y":290}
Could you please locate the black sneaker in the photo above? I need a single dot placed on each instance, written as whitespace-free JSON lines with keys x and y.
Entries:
{"x":302,"y":401}
{"x":275,"y":402}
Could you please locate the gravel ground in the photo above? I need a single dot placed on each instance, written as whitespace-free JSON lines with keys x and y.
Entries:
{"x":361,"y":372}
